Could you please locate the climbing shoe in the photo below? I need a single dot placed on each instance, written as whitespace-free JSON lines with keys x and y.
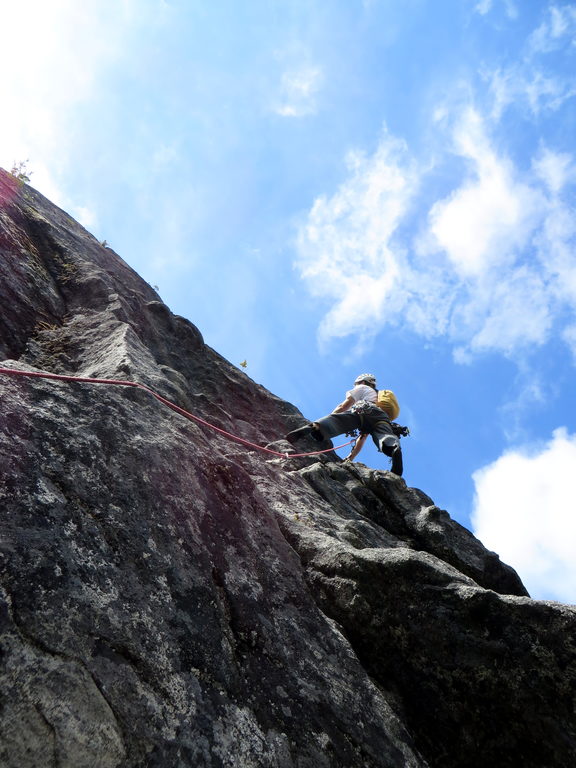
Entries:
{"x":308,"y":431}
{"x":316,"y":433}
{"x":298,"y":434}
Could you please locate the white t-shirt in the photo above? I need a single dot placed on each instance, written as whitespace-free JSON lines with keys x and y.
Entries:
{"x":363,"y":392}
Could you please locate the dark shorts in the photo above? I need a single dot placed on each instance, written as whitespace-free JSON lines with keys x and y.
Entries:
{"x":372,"y":421}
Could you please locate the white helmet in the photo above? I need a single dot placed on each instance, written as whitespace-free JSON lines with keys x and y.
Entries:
{"x":369,"y":378}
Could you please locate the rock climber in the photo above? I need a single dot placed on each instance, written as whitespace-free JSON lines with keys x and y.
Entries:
{"x":358,"y":411}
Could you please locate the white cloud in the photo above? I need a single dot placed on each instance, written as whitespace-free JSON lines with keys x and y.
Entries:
{"x":511,"y":9}
{"x":531,"y":394}
{"x":533,"y":80}
{"x":499,"y":244}
{"x":530,"y":85}
{"x":524,"y":510}
{"x":558,"y":28}
{"x":298,"y":92}
{"x":545,"y":92}
{"x":495,"y":319}
{"x":346,"y":250}
{"x":511,"y":242}
{"x":492,"y":214}
{"x":483,"y":7}
{"x":556,"y":251}
{"x":556,"y":169}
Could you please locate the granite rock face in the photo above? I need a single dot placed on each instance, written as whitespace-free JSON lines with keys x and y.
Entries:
{"x":172,"y":599}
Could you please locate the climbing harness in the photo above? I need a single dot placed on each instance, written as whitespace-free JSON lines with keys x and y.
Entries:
{"x":362,"y":406}
{"x":169,"y":404}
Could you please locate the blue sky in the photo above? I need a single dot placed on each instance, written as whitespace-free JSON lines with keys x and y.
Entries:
{"x":332,"y":187}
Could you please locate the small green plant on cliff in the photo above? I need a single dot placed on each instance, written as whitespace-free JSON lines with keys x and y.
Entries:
{"x":20,"y":172}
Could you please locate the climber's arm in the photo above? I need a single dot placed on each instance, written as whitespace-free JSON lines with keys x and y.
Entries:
{"x":345,"y":405}
{"x":357,"y":448}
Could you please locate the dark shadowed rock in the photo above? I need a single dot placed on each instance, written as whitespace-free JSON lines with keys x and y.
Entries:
{"x":170,"y":598}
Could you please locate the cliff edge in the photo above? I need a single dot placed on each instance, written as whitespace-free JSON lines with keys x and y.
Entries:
{"x":170,"y":598}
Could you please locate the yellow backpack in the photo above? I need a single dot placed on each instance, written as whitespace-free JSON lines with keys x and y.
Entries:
{"x":387,"y":401}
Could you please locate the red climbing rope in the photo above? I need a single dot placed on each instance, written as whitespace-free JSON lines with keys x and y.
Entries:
{"x":173,"y":406}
